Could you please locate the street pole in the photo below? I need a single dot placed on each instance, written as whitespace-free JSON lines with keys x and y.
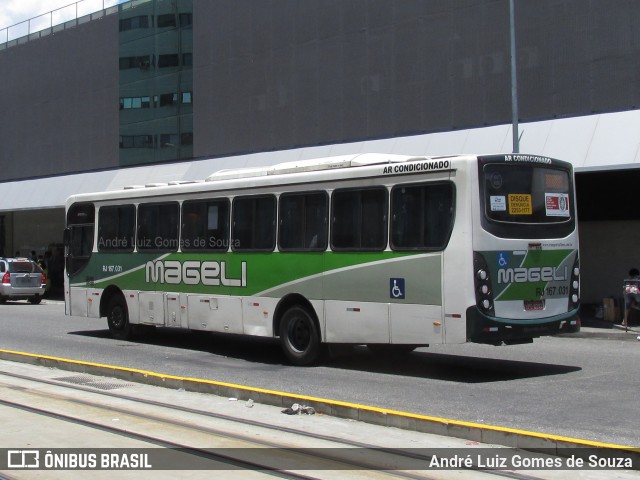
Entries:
{"x":514,"y":79}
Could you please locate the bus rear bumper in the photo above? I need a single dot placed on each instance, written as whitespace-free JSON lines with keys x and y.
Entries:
{"x":497,"y":331}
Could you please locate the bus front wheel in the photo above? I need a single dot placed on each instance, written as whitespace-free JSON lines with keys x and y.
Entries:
{"x":299,"y":336}
{"x":118,"y":318}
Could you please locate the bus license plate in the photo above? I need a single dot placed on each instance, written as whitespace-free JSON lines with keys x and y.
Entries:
{"x":533,"y":305}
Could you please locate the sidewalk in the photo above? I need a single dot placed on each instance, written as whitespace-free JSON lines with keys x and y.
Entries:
{"x":597,"y":328}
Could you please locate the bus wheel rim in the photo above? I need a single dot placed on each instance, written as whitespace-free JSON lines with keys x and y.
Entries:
{"x":117,"y":318}
{"x":299,"y":334}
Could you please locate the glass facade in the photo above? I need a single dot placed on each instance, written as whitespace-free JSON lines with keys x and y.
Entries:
{"x":156,"y":82}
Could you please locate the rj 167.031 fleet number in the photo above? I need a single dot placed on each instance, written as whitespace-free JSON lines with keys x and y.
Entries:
{"x":546,"y":292}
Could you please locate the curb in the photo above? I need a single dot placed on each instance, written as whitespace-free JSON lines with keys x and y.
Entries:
{"x":616,"y":332}
{"x":490,"y":434}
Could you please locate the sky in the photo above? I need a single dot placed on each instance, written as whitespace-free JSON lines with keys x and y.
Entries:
{"x":16,"y":11}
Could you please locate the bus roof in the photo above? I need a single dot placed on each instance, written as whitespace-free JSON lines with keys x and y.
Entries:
{"x":312,"y":165}
{"x":299,"y":166}
{"x":320,"y":169}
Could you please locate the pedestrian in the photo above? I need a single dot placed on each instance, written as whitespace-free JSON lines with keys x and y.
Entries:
{"x":631,"y":293}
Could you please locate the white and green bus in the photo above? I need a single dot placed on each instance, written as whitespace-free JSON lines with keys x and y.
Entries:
{"x":389,"y":251}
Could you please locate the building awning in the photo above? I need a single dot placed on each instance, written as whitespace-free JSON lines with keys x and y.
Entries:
{"x":591,"y":143}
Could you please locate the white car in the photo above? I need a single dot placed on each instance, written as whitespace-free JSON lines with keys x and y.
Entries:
{"x":21,"y":278}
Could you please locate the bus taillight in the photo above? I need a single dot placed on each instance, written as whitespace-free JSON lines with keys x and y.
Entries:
{"x":482,"y":280}
{"x":574,"y":286}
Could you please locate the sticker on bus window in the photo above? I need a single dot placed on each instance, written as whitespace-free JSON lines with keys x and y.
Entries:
{"x":520,"y":204}
{"x":557,"y":204}
{"x":498,"y":203}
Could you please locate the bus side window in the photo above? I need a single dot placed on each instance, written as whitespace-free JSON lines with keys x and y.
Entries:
{"x":254,"y":223}
{"x":359,"y":219}
{"x":158,"y":226}
{"x":421,"y":216}
{"x":116,"y":226}
{"x":303,"y":221}
{"x":205,"y":225}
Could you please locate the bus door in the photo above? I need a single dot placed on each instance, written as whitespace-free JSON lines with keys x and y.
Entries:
{"x":78,"y":241}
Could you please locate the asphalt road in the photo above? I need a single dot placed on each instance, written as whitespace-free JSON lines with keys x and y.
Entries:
{"x":577,"y":387}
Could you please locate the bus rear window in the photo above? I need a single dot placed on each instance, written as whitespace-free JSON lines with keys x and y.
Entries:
{"x":527,"y":194}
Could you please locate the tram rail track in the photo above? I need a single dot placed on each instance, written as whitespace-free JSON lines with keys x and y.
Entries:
{"x":219,"y":441}
{"x":228,"y":456}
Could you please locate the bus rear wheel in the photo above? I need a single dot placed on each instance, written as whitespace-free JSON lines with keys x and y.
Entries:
{"x":299,"y":336}
{"x":118,"y":319}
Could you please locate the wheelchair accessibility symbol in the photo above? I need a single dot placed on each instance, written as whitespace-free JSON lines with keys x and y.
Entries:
{"x":503,"y":260}
{"x":396,"y":288}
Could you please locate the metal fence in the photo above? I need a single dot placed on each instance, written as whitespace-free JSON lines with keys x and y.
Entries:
{"x":60,"y":19}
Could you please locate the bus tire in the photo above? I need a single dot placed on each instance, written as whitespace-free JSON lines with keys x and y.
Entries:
{"x":299,"y":336}
{"x":118,"y":318}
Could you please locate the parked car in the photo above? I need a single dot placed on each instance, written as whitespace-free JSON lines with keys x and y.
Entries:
{"x":21,"y":279}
